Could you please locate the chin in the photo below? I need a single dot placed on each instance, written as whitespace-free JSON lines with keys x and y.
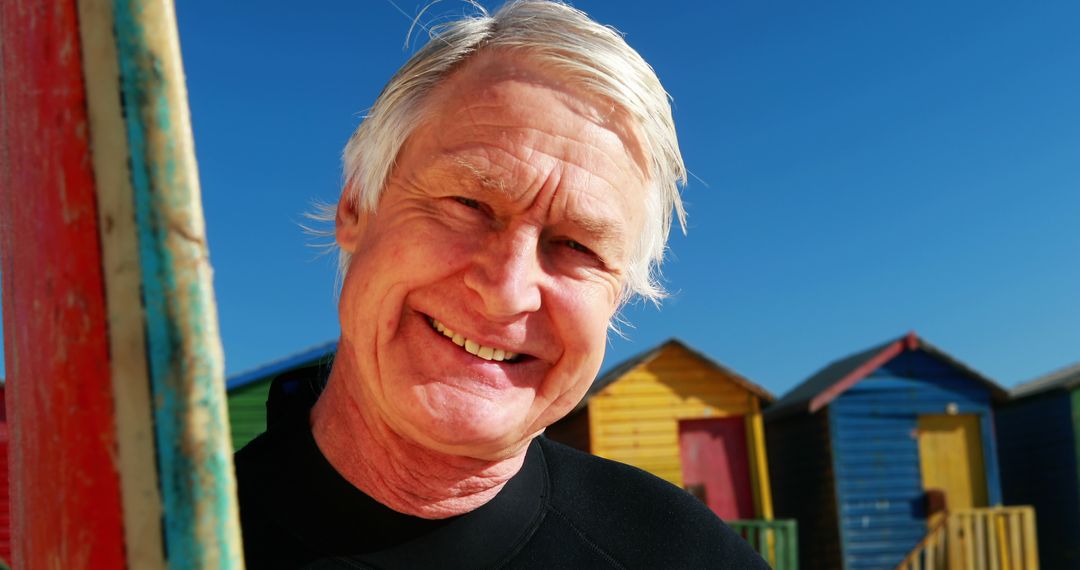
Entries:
{"x":484,"y":430}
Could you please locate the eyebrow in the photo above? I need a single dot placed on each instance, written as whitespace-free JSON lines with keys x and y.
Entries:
{"x":604,"y":230}
{"x":462,"y":165}
{"x":598,"y":228}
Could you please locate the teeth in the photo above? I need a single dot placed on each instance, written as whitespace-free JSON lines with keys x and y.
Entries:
{"x":473,"y":347}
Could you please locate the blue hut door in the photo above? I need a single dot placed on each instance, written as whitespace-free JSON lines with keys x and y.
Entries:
{"x":951,"y":459}
{"x":716,"y":465}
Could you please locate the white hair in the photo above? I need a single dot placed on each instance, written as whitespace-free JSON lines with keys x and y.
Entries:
{"x":565,"y":40}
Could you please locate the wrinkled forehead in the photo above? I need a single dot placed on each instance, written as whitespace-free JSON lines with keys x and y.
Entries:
{"x":480,"y":77}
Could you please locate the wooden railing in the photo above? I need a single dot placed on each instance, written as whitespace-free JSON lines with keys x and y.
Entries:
{"x":777,"y":541}
{"x":930,"y":553}
{"x":996,"y":538}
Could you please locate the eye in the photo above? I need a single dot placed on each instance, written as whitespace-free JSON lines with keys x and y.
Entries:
{"x":468,"y":202}
{"x":576,"y":246}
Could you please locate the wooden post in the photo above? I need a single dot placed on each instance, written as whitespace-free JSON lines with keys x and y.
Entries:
{"x":759,"y":468}
{"x":65,"y":499}
{"x":183,"y":348}
{"x":115,"y":376}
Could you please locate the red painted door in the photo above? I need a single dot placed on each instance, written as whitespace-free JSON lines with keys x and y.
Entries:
{"x":716,"y":465}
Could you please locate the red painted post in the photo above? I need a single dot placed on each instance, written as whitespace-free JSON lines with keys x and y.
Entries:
{"x":66,"y":502}
{"x":5,"y":498}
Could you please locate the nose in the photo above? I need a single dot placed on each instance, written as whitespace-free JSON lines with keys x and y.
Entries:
{"x":506,"y":273}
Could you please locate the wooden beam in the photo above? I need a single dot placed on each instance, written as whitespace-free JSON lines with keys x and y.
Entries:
{"x":867,"y":368}
{"x":66,"y":502}
{"x":116,"y":383}
{"x":183,"y":347}
{"x":123,"y":289}
{"x":759,"y":467}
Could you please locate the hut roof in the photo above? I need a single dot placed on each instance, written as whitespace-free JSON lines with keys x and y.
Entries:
{"x":280,"y":365}
{"x":1064,"y":379}
{"x":834,"y":379}
{"x":649,"y":355}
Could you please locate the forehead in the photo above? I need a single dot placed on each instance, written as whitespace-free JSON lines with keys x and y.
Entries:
{"x":506,"y":124}
{"x":524,"y":92}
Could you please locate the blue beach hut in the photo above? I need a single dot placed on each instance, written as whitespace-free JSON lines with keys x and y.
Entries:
{"x":1039,"y":435}
{"x":854,"y":450}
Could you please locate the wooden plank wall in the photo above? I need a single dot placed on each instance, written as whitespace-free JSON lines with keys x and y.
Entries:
{"x":247,"y":412}
{"x":1039,"y":468}
{"x":573,"y":430}
{"x":248,"y":392}
{"x":635,"y":419}
{"x":876,"y":454}
{"x":801,"y":472}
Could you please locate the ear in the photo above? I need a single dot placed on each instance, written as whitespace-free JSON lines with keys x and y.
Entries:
{"x":349,"y":224}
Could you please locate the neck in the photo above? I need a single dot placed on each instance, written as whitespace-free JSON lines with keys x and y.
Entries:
{"x":397,"y":472}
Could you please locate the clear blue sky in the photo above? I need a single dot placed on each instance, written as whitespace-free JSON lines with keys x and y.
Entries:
{"x":861,"y":169}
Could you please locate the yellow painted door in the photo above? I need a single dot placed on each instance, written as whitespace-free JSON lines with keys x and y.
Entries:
{"x":951,"y":459}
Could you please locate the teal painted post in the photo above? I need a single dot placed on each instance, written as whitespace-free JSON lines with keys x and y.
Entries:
{"x":201,"y":527}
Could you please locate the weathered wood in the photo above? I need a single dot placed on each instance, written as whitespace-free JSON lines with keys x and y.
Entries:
{"x":66,"y":502}
{"x":70,"y":261}
{"x":183,"y":347}
{"x":123,"y":289}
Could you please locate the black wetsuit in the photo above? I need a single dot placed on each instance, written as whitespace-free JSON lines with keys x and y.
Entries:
{"x":564,"y":509}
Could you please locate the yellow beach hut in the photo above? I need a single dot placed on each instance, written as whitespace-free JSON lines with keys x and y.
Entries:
{"x":680,"y":415}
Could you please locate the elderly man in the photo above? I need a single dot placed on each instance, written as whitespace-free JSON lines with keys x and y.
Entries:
{"x":513,"y":185}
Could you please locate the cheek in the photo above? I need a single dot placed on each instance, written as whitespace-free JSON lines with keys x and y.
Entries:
{"x":430,"y":249}
{"x":595,"y":301}
{"x":586,"y":313}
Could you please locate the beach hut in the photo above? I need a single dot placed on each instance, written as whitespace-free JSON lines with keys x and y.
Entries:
{"x":685,"y":418}
{"x":1039,"y":436}
{"x":247,"y":392}
{"x":855,"y":449}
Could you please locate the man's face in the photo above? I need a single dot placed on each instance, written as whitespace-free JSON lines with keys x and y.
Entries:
{"x":509,"y":220}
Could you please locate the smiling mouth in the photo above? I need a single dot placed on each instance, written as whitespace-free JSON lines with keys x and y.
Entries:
{"x":474,"y":348}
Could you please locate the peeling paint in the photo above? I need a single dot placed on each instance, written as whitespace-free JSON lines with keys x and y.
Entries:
{"x":65,"y":493}
{"x":183,"y":348}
